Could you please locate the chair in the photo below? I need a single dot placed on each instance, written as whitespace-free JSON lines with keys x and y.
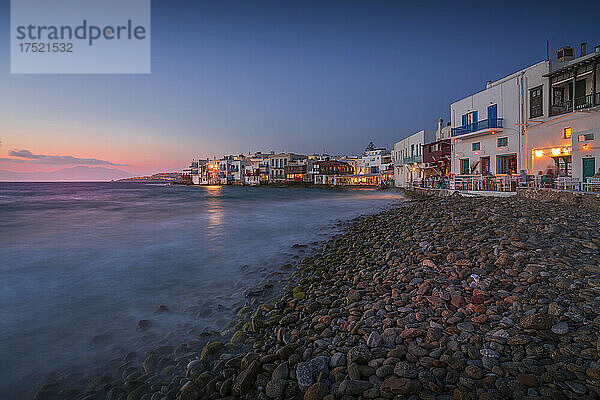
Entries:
{"x":592,"y":184}
{"x":547,"y":181}
{"x":568,"y":183}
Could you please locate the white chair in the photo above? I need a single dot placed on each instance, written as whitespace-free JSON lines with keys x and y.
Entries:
{"x":592,"y":184}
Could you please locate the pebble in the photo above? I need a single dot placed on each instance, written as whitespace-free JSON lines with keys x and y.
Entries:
{"x":390,"y":308}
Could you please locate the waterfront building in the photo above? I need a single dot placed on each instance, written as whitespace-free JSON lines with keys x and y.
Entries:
{"x":277,"y":164}
{"x":437,"y":154}
{"x":488,"y":127}
{"x":326,"y":172}
{"x":301,"y":170}
{"x":252,"y":175}
{"x":564,"y":111}
{"x":351,"y":160}
{"x":408,"y":158}
{"x":374,"y":161}
{"x":195,"y":174}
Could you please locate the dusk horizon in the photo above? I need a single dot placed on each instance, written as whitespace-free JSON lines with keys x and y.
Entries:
{"x":299,"y":200}
{"x":237,"y":77}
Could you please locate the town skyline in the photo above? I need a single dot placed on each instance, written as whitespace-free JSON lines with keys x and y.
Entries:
{"x":305,"y":78}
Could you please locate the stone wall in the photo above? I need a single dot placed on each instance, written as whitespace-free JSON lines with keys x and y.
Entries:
{"x":575,"y":199}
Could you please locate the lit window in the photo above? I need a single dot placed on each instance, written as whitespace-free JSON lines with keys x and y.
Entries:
{"x":567,"y":133}
{"x":589,"y":136}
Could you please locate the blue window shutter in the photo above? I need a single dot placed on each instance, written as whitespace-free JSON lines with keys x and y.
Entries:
{"x":474,"y":116}
{"x":464,"y":119}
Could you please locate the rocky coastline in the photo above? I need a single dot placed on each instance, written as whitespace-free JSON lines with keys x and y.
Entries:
{"x":464,"y":298}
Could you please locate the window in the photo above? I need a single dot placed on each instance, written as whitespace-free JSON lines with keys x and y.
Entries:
{"x":536,"y":105}
{"x":588,"y":136}
{"x":502,"y":142}
{"x":567,"y":133}
{"x":469,"y":118}
{"x":464,"y":166}
{"x":485,"y":165}
{"x":476,"y":146}
{"x":506,"y":164}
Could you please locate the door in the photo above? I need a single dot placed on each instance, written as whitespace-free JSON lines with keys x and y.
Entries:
{"x":589,"y":167}
{"x":506,"y":164}
{"x":492,"y":116}
{"x":580,"y":100}
{"x":464,"y":166}
{"x":485,"y":165}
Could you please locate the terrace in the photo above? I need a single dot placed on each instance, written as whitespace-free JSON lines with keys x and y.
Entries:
{"x":574,"y":86}
{"x":484,"y":124}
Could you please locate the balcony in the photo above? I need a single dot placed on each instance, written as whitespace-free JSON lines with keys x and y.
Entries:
{"x":408,"y":160}
{"x":477,"y":126}
{"x":581,"y":103}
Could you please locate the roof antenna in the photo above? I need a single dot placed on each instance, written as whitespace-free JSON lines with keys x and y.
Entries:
{"x":547,"y":50}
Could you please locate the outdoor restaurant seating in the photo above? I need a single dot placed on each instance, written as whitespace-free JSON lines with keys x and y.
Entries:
{"x":592,"y":184}
{"x":507,"y":183}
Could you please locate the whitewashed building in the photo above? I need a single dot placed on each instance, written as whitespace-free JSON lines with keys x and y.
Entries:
{"x":489,"y":127}
{"x":374,"y":161}
{"x":563,"y":133}
{"x":408,"y":157}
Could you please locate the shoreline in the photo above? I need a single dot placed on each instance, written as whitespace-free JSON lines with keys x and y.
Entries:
{"x":158,"y":363}
{"x":387,"y":308}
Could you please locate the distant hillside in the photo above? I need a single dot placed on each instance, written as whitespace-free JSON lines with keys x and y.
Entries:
{"x":80,"y":173}
{"x":162,"y":177}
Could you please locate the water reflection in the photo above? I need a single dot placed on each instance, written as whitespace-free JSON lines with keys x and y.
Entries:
{"x":214,"y":214}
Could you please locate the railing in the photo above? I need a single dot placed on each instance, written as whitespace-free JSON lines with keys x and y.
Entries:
{"x":499,"y":183}
{"x":477,"y":126}
{"x":413,"y":159}
{"x":581,"y":103}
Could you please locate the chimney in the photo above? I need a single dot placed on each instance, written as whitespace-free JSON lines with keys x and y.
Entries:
{"x":565,"y":54}
{"x":583,"y":48}
{"x":488,"y":84}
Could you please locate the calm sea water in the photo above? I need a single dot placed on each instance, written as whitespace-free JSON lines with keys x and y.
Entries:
{"x":82,"y":263}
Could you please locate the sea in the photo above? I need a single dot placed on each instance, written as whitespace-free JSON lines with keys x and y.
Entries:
{"x":82,"y":263}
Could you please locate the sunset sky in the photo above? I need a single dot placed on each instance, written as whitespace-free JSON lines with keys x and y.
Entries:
{"x":305,"y":76}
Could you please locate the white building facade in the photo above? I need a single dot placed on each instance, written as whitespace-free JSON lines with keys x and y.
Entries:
{"x":489,"y":127}
{"x":563,"y":134}
{"x":408,"y":158}
{"x":374,"y":161}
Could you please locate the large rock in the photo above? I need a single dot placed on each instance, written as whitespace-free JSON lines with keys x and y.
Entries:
{"x":189,"y":392}
{"x":537,"y":321}
{"x":281,"y":372}
{"x":354,"y":387}
{"x":245,"y":380}
{"x":401,"y":386}
{"x":405,"y":369}
{"x":310,"y":371}
{"x":359,"y":355}
{"x":275,"y":388}
{"x":317,"y":391}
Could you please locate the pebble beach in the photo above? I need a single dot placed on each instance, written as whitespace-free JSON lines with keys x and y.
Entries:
{"x":453,"y":298}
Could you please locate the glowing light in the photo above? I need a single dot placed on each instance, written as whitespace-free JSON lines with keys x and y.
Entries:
{"x":566,"y":151}
{"x":539,"y":153}
{"x":556,"y":151}
{"x":476,"y":153}
{"x":499,"y":149}
{"x":585,"y":147}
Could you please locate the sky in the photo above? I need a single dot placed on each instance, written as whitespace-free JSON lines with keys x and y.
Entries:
{"x":229,"y":77}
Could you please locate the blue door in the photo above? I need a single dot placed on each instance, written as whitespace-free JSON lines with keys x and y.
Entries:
{"x":493,"y":116}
